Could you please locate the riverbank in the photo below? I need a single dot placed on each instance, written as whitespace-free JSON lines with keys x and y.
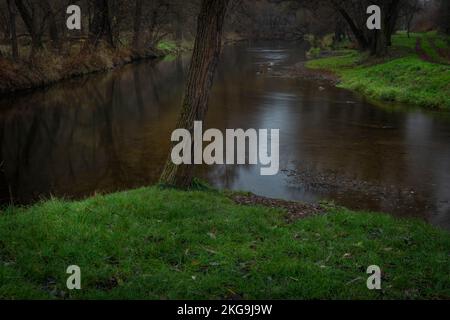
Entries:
{"x":157,"y":243}
{"x":417,"y":71}
{"x":47,"y":68}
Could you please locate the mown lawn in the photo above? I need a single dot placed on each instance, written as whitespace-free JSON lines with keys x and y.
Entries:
{"x":407,"y":78}
{"x":165,"y":244}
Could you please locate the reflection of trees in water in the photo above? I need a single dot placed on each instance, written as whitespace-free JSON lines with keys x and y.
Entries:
{"x":97,"y":133}
{"x":18,"y":145}
{"x":226,"y":176}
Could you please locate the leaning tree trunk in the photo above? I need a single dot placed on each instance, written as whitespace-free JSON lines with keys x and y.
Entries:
{"x":207,"y":48}
{"x":357,"y":32}
{"x":12,"y":30}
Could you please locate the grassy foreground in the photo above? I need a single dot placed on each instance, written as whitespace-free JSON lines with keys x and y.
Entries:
{"x":418,"y":74}
{"x":158,"y":244}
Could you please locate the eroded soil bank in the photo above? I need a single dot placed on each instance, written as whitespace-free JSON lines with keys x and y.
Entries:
{"x":46,"y":68}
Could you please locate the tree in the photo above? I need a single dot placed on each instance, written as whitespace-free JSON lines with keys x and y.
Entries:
{"x":100,"y":27}
{"x":410,"y":10}
{"x":207,"y":48}
{"x":12,"y":29}
{"x":30,"y":19}
{"x":52,"y":25}
{"x":354,"y":13}
{"x":444,"y":19}
{"x":137,"y":25}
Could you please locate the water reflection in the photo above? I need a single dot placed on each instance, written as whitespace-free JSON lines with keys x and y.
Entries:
{"x":98,"y":134}
{"x":110,"y":132}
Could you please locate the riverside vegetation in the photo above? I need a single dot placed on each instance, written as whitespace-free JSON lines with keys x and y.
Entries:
{"x":417,"y":71}
{"x":47,"y":68}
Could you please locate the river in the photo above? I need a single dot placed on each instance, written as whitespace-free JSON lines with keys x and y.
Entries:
{"x":110,"y":132}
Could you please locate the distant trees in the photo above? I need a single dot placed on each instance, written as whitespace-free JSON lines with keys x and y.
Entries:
{"x":50,"y":16}
{"x":444,"y":17}
{"x":339,"y":16}
{"x":138,"y":24}
{"x":41,"y":24}
{"x":12,"y":29}
{"x":409,"y":11}
{"x":267,"y":19}
{"x":354,"y":13}
{"x":30,"y":16}
{"x":100,"y":27}
{"x":33,"y":19}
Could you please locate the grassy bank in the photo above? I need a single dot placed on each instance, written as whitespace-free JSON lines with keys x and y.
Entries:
{"x":417,"y":72}
{"x":157,"y":244}
{"x":47,"y":68}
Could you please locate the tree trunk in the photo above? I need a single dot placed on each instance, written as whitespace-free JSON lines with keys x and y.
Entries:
{"x":393,"y":10}
{"x":445,"y":16}
{"x":12,"y":30}
{"x":408,"y":27}
{"x":207,"y":48}
{"x":378,"y":43}
{"x":4,"y":24}
{"x":101,"y":24}
{"x":380,"y":40}
{"x":357,"y":32}
{"x":137,"y":25}
{"x":52,"y":26}
{"x":29,"y":20}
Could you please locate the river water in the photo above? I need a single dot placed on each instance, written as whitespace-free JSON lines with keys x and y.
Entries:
{"x":110,"y":132}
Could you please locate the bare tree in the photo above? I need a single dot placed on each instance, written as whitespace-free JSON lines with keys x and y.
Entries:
{"x":12,"y":29}
{"x":444,"y":19}
{"x":100,"y":28}
{"x":409,"y":10}
{"x":30,"y":18}
{"x":50,"y":16}
{"x":354,"y":13}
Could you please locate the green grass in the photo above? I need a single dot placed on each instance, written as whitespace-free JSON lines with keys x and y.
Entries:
{"x":165,"y":244}
{"x":401,"y":39}
{"x":406,"y":79}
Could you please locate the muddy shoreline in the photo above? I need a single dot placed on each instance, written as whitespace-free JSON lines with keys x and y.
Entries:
{"x":300,"y":71}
